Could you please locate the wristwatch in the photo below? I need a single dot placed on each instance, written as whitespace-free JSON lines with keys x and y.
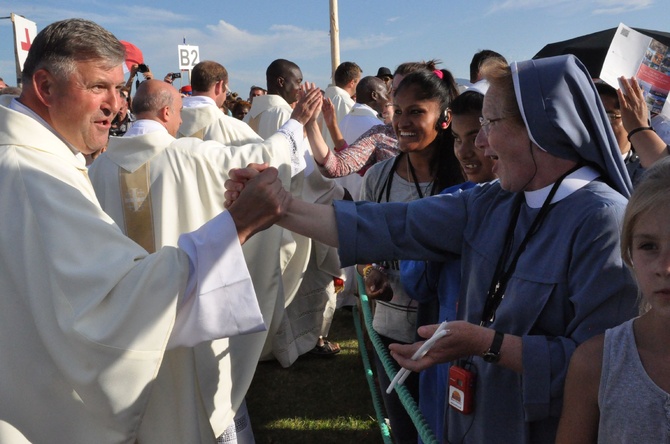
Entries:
{"x":493,"y":353}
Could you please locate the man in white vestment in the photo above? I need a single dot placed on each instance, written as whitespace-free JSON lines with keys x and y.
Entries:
{"x":88,"y":314}
{"x":341,"y":93}
{"x":308,"y":267}
{"x":155,"y":187}
{"x":202,"y":115}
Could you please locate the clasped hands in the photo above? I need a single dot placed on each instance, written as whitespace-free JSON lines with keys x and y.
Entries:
{"x":255,"y":198}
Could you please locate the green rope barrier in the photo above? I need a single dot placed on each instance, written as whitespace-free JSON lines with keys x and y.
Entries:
{"x":369,"y":376}
{"x":422,"y":427}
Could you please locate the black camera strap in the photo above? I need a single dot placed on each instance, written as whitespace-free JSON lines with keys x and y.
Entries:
{"x":501,"y":276}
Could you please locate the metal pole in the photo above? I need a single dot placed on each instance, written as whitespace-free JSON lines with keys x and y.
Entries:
{"x":334,"y":37}
{"x":16,"y":55}
{"x":19,"y":79}
{"x":11,"y":18}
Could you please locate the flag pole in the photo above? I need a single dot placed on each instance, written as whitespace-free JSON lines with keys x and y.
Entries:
{"x":334,"y":37}
{"x":19,"y":79}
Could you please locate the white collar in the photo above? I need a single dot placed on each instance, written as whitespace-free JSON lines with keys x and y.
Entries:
{"x":364,"y":107}
{"x":144,"y":126}
{"x":23,"y":109}
{"x":573,"y":182}
{"x":197,"y":101}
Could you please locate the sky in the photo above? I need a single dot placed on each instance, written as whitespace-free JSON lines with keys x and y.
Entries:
{"x":246,"y":35}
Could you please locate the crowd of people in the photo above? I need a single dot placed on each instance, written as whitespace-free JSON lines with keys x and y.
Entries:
{"x":159,"y":242}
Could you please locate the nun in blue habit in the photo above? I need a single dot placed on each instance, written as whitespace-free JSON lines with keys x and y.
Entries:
{"x":541,"y":266}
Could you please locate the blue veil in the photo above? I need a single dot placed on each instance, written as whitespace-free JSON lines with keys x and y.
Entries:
{"x":565,"y":117}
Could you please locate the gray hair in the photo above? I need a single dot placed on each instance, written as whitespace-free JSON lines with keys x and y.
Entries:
{"x":60,"y":45}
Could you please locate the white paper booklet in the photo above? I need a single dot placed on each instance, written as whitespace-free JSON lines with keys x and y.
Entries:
{"x":632,"y":53}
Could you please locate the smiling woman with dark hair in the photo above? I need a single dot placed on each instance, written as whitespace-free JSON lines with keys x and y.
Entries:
{"x":426,"y":165}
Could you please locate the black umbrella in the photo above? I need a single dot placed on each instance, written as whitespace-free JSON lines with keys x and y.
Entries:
{"x":591,"y":49}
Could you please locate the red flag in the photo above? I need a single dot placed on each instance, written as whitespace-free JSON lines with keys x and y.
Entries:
{"x":133,"y":54}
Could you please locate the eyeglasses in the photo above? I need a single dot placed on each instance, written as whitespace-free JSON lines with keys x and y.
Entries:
{"x":486,"y":124}
{"x":613,"y":117}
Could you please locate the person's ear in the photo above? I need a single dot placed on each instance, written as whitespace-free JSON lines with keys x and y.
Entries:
{"x":448,"y":116}
{"x":44,"y":85}
{"x":218,"y":87}
{"x":280,"y":82}
{"x":444,"y":120}
{"x":164,"y":114}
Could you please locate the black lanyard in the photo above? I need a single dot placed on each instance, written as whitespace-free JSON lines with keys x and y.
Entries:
{"x":501,"y":277}
{"x":389,"y":179}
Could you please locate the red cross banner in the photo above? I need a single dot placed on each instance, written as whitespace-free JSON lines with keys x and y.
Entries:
{"x":24,"y":33}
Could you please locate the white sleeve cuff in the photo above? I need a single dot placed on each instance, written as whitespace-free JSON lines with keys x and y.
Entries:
{"x":293,"y":131}
{"x":220,"y":300}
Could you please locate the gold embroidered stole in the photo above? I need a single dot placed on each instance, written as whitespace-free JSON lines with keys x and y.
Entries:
{"x":254,"y":122}
{"x":137,"y":211}
{"x":200,"y":134}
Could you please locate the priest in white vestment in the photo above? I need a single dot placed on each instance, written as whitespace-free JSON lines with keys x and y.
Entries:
{"x":308,"y":267}
{"x":87,"y":313}
{"x":202,"y":115}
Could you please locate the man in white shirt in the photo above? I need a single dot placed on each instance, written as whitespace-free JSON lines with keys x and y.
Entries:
{"x":341,"y":93}
{"x":202,"y":115}
{"x":87,"y":314}
{"x":372,"y":96}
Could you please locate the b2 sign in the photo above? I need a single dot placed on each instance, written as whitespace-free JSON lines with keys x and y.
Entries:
{"x":189,"y":56}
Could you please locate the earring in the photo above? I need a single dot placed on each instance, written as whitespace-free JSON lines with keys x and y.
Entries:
{"x":444,"y":125}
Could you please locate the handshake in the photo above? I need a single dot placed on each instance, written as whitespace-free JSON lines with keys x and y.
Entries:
{"x":255,"y":199}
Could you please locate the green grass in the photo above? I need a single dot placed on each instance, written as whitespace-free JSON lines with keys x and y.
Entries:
{"x":319,"y":400}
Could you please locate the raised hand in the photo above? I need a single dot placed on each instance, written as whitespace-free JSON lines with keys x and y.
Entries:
{"x":634,"y":110}
{"x":328,"y":111}
{"x":635,"y":118}
{"x":308,"y":104}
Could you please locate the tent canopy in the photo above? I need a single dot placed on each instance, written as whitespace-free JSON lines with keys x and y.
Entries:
{"x":592,"y":49}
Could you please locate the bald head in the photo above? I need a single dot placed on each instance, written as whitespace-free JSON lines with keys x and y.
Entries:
{"x":372,"y":91}
{"x":159,"y":101}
